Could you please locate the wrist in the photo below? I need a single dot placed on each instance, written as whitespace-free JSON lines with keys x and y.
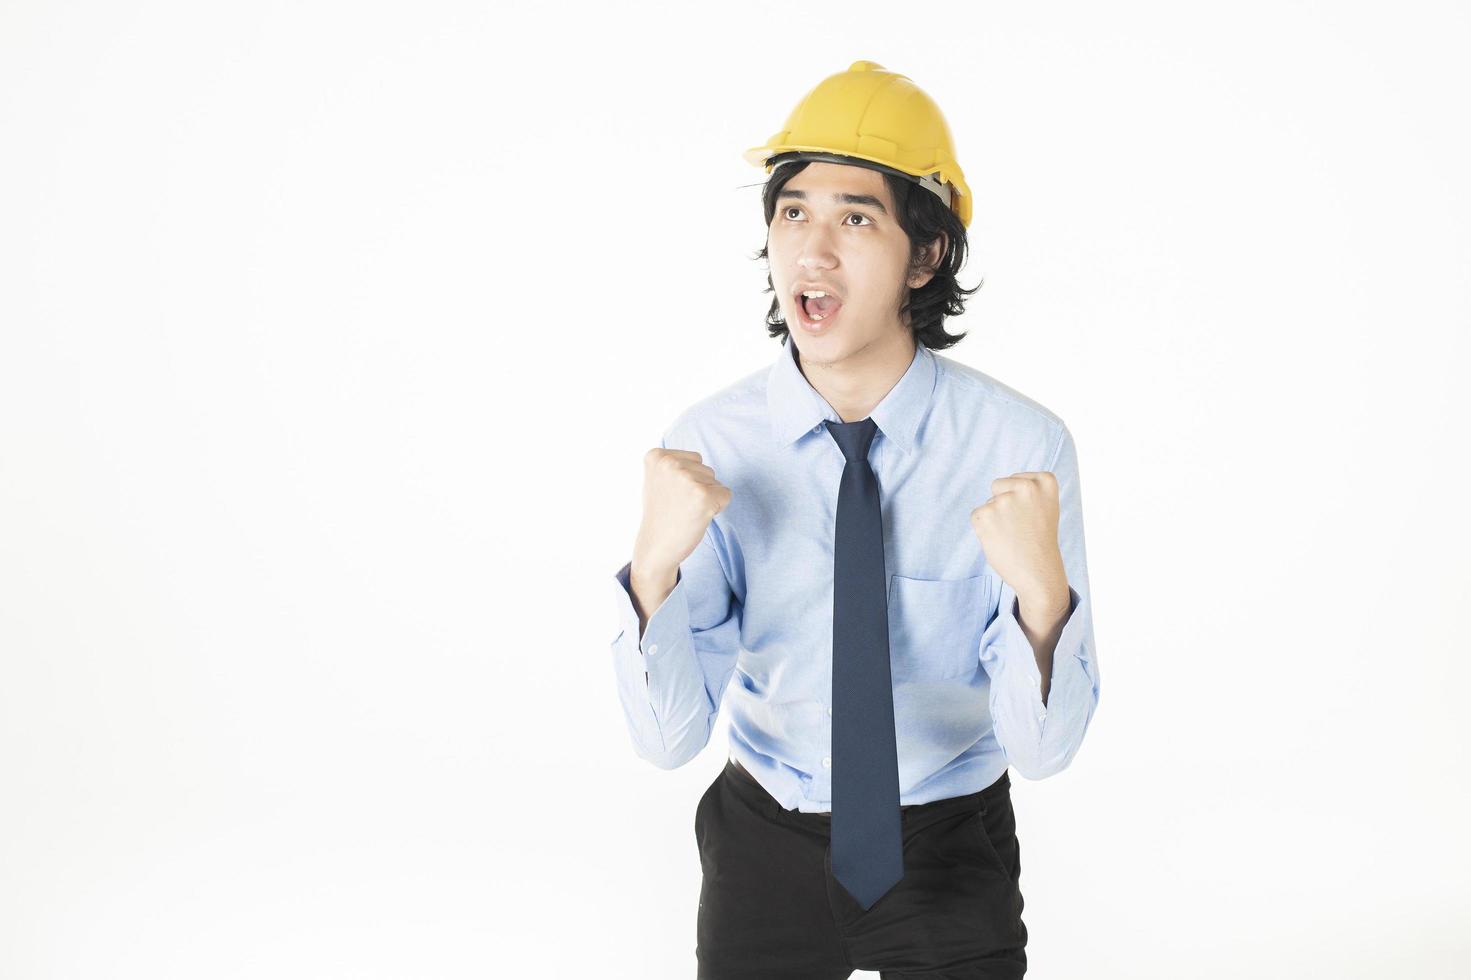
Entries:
{"x":1049,"y":599}
{"x":652,"y":574}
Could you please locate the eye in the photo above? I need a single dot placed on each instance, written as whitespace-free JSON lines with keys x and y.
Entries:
{"x":786,"y":212}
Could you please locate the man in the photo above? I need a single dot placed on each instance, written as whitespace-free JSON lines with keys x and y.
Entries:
{"x":874,"y":555}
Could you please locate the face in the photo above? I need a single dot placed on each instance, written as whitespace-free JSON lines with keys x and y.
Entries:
{"x":835,"y":229}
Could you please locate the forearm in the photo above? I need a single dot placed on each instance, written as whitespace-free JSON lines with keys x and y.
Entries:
{"x":1042,"y":613}
{"x":650,"y":588}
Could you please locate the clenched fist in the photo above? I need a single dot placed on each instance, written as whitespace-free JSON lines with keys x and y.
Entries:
{"x":681,"y":497}
{"x":1017,"y":529}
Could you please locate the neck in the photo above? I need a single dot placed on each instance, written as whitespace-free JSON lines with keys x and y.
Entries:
{"x":854,"y":385}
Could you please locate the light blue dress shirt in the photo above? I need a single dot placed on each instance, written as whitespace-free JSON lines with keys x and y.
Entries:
{"x":749,"y":623}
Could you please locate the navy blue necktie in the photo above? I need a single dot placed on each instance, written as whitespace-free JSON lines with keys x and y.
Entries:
{"x":867,"y":842}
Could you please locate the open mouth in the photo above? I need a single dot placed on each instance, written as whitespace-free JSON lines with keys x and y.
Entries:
{"x":816,"y":312}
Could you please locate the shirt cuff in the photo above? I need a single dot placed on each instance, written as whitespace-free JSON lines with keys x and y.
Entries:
{"x":1019,"y":660}
{"x":667,"y":627}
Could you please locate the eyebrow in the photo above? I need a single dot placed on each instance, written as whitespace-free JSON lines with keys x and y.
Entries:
{"x":868,"y":199}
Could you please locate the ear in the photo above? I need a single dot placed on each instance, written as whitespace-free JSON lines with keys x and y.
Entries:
{"x":927,"y":260}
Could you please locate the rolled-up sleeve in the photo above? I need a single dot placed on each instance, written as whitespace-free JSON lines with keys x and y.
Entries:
{"x":1040,"y":740}
{"x":670,"y":680}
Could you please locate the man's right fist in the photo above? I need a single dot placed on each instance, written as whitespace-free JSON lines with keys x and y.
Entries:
{"x":681,"y":497}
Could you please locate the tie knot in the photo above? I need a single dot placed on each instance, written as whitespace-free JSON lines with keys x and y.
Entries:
{"x":854,"y":438}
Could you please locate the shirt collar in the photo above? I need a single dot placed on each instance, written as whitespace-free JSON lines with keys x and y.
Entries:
{"x":796,"y":408}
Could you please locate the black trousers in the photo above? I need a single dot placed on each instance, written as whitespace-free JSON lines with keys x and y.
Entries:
{"x":770,"y":907}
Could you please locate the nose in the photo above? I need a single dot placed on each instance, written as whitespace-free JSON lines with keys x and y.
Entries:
{"x":816,"y":251}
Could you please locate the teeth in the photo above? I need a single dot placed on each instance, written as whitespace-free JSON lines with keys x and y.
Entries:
{"x":810,"y":294}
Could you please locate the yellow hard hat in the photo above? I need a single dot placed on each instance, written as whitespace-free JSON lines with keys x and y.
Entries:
{"x":871,"y":114}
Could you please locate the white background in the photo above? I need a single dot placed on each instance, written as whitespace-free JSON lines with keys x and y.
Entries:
{"x":334,"y":335}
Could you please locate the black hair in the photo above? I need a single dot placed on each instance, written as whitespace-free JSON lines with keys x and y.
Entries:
{"x":922,"y":216}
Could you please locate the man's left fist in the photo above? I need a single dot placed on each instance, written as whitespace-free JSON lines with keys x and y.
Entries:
{"x":1017,"y":529}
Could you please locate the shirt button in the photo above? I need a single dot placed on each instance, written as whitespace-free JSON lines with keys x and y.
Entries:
{"x":829,"y":712}
{"x":827,"y":762}
{"x":653,"y":649}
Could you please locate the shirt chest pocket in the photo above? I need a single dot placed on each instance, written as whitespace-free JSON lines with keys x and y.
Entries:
{"x":935,"y":626}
